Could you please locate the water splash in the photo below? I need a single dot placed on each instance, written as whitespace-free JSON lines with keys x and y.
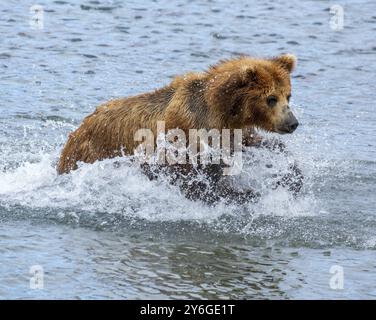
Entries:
{"x":117,"y":186}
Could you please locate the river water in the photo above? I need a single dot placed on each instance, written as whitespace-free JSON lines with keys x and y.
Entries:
{"x":108,"y":232}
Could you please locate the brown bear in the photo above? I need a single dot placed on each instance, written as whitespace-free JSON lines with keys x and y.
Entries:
{"x":242,"y":93}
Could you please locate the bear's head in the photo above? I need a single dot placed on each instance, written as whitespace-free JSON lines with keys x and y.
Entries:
{"x":250,"y":92}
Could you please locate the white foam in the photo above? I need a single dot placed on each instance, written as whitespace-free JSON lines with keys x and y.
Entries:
{"x":123,"y":189}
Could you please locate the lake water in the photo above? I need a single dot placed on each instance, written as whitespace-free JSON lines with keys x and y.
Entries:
{"x":107,"y":232}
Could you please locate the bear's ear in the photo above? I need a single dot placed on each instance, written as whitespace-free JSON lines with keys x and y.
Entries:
{"x":286,"y":61}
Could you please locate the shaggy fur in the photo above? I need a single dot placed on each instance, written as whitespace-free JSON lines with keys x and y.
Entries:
{"x":231,"y":94}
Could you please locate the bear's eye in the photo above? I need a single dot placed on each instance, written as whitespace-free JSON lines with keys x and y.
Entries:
{"x":271,"y":101}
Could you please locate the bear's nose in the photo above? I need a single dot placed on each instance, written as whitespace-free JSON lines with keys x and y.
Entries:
{"x":293,"y":126}
{"x":291,"y":123}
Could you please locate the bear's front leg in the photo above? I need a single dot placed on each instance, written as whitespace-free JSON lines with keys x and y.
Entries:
{"x":232,"y":196}
{"x":253,"y":139}
{"x":293,"y":180}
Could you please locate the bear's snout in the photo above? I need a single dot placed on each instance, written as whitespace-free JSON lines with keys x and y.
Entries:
{"x":289,"y":125}
{"x":293,"y":126}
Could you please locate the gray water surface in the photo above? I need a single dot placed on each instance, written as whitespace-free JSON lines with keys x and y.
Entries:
{"x":106,"y":231}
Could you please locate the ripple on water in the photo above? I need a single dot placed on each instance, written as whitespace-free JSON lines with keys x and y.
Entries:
{"x":143,"y":239}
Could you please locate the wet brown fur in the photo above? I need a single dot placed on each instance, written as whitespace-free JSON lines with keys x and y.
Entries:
{"x":232,"y":94}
